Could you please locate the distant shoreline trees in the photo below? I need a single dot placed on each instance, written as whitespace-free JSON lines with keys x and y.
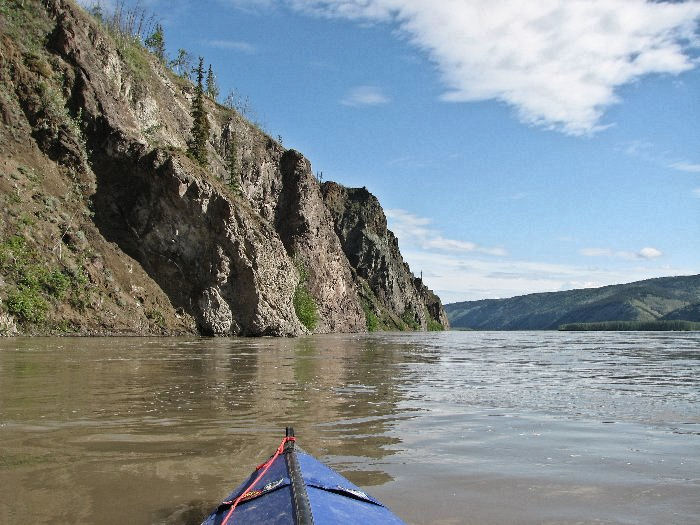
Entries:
{"x":625,"y":326}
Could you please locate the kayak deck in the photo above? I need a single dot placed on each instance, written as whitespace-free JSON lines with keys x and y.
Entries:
{"x":295,"y":488}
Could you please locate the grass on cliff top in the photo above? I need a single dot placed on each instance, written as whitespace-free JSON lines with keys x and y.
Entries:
{"x":127,"y":27}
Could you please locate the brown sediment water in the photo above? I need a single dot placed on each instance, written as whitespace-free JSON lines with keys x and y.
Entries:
{"x":445,"y":428}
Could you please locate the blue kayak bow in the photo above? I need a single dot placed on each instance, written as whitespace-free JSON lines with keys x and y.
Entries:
{"x":292,"y":487}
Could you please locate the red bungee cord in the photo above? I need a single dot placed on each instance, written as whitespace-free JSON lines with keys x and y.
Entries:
{"x":265,"y":466}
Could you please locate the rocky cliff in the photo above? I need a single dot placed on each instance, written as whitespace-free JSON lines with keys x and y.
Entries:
{"x":108,"y":226}
{"x":388,"y":288}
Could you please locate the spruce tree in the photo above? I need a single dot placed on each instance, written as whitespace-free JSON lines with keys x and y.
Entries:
{"x":181,"y":63}
{"x":96,"y":11}
{"x":156,"y":43}
{"x":212,"y":88}
{"x":197,"y":147}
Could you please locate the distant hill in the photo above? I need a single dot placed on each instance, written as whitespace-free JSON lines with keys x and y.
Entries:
{"x":665,"y":298}
{"x":687,"y":313}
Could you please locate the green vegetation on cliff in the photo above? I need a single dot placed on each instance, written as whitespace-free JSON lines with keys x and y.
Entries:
{"x":305,"y":307}
{"x":304,"y":304}
{"x":371,"y":319}
{"x":434,"y":326}
{"x":642,"y":301}
{"x":39,"y":285}
{"x":156,"y":43}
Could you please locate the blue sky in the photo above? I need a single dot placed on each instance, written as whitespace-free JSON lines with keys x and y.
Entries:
{"x":516,"y":146}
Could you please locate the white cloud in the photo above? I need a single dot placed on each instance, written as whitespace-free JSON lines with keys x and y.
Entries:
{"x":414,"y":231}
{"x":648,"y":152}
{"x":520,"y":195}
{"x":643,"y":150}
{"x":696,"y":192}
{"x":649,"y":253}
{"x":557,"y":62}
{"x":232,"y":45}
{"x":457,"y":270}
{"x":686,"y":166}
{"x":645,"y":253}
{"x":364,"y":96}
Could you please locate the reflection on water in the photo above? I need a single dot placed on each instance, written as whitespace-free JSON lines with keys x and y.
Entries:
{"x":442,"y":426}
{"x":123,"y":425}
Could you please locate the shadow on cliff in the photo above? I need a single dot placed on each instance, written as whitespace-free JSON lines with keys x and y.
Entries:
{"x":207,"y":250}
{"x":123,"y":216}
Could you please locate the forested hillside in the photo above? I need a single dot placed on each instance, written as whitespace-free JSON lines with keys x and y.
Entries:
{"x":667,"y":298}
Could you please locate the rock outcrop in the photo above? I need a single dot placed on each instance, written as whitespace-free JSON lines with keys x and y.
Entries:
{"x":207,"y":249}
{"x":305,"y":227}
{"x":391,"y":290}
{"x":154,"y":242}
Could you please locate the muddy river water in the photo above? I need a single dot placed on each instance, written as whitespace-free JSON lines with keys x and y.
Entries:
{"x":445,"y":428}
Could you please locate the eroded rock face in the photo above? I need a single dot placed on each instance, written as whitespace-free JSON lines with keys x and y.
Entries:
{"x":306,"y":229}
{"x":373,"y":251}
{"x":207,"y":249}
{"x":230,"y":260}
{"x":432,"y":303}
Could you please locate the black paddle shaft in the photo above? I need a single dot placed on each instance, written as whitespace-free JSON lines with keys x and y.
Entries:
{"x":300,"y":499}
